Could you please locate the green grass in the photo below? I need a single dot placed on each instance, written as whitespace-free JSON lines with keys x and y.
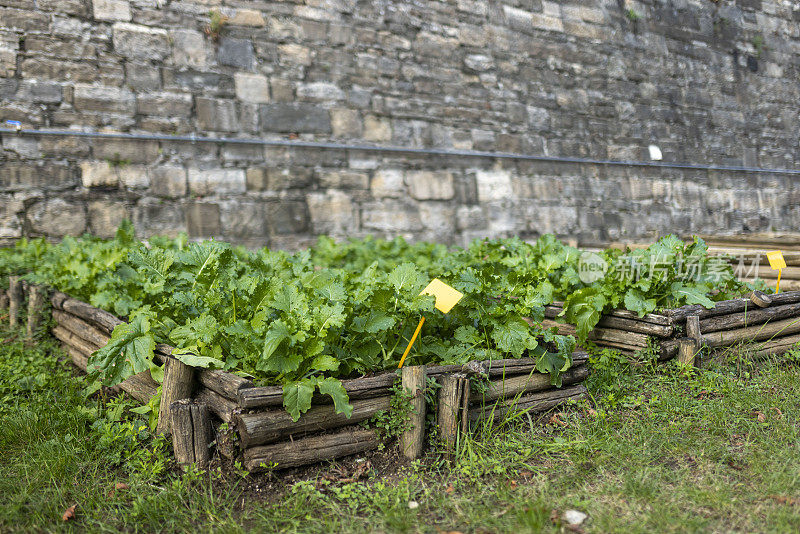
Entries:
{"x":665,"y":450}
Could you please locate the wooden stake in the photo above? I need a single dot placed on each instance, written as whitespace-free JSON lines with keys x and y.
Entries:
{"x":178,"y":384}
{"x":412,"y":440}
{"x":686,"y":351}
{"x":35,"y":305}
{"x":191,"y":430}
{"x":14,"y":300}
{"x":454,"y":389}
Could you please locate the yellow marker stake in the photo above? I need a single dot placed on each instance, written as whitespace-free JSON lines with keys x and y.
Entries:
{"x":777,"y":262}
{"x":411,"y":343}
{"x":446,"y":298}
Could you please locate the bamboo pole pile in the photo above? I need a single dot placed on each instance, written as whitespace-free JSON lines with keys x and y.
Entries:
{"x":192,"y":399}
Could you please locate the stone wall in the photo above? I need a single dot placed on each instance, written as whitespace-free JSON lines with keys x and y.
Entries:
{"x":707,"y":82}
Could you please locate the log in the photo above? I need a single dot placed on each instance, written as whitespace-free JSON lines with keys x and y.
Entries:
{"x":412,"y":440}
{"x":453,"y":409}
{"x":687,"y":351}
{"x":178,"y":384}
{"x":601,"y":334}
{"x":357,"y":388}
{"x":201,"y":426}
{"x":79,"y":358}
{"x":535,"y":403}
{"x":760,"y":299}
{"x":728,"y":306}
{"x":182,"y":431}
{"x":623,"y":347}
{"x":73,"y":340}
{"x":222,"y":407}
{"x":776,"y":346}
{"x":693,"y":328}
{"x":780,"y":328}
{"x":551,"y":312}
{"x":80,"y":328}
{"x":633,"y":325}
{"x":535,"y":381}
{"x":272,"y":425}
{"x":35,"y":309}
{"x":379,"y":385}
{"x":14,"y":300}
{"x":101,"y":319}
{"x":3,"y":299}
{"x":222,"y":382}
{"x":748,"y":318}
{"x":310,"y":450}
{"x":668,"y":350}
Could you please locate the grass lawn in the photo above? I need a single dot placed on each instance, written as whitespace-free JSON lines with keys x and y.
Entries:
{"x":661,"y":450}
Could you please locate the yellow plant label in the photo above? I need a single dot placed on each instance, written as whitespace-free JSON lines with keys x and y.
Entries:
{"x":446,"y":296}
{"x":776,"y":260}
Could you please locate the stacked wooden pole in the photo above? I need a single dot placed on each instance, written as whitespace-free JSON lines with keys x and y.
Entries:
{"x":621,"y":330}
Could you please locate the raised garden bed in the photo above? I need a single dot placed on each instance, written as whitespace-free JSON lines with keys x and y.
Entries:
{"x":770,"y":322}
{"x":264,"y":434}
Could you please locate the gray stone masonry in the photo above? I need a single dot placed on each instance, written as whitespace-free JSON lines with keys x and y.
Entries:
{"x":707,"y":82}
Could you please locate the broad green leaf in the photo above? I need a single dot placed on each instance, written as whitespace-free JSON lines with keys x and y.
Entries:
{"x":191,"y":356}
{"x":334,"y":388}
{"x":128,"y":352}
{"x":297,"y":397}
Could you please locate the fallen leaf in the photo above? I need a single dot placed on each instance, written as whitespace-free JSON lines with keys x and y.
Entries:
{"x":121,"y":486}
{"x":780,"y":413}
{"x":512,"y":483}
{"x":556,"y":421}
{"x":592,"y":412}
{"x":69,"y":513}
{"x":781,"y":499}
{"x":450,"y":489}
{"x":760,"y":416}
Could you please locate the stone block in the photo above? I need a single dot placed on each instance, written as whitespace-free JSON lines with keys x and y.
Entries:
{"x":319,"y":92}
{"x":217,"y":181}
{"x":11,"y":210}
{"x":57,"y":217}
{"x":471,"y":218}
{"x":346,"y":123}
{"x":203,"y":220}
{"x":98,"y":174}
{"x":168,"y":181}
{"x":296,"y":117}
{"x":344,"y":179}
{"x":165,"y":104}
{"x":391,"y":216}
{"x":387,"y":183}
{"x":292,"y":177}
{"x":111,"y":10}
{"x":103,"y":99}
{"x":236,"y":53}
{"x":377,"y":128}
{"x":216,"y":115}
{"x":153,"y":216}
{"x":189,"y":48}
{"x":140,"y":77}
{"x":439,"y":221}
{"x":247,"y":17}
{"x":294,"y":54}
{"x":493,"y":185}
{"x":478,"y":62}
{"x":252,"y":88}
{"x":26,"y":147}
{"x":133,"y":176}
{"x":105,"y":216}
{"x":39,"y":91}
{"x":287,"y":217}
{"x":135,"y":41}
{"x":18,"y":176}
{"x":430,"y":185}
{"x":245,"y":222}
{"x":125,"y":151}
{"x":282,"y":90}
{"x":332,"y":213}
